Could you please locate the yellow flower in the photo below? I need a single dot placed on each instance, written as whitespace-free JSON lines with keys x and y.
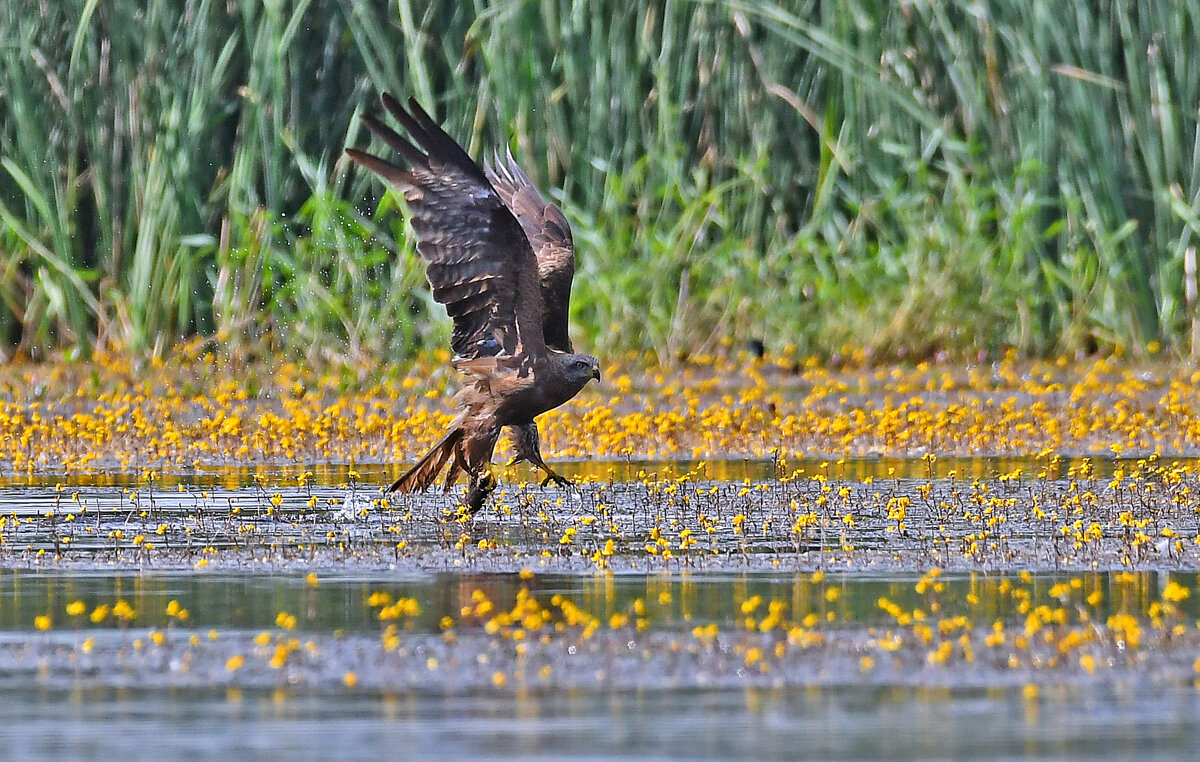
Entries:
{"x":75,"y":608}
{"x":123,"y":611}
{"x":1175,"y":592}
{"x":235,"y":663}
{"x":41,"y":622}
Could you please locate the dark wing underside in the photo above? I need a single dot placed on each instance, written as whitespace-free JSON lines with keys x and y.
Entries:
{"x":549,"y":235}
{"x":480,"y":264}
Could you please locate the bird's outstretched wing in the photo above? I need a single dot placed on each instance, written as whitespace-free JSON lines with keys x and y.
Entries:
{"x":480,"y":264}
{"x":550,"y":236}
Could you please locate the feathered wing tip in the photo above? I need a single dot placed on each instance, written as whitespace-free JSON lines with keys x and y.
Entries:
{"x":428,"y":134}
{"x":423,"y":474}
{"x":506,"y":169}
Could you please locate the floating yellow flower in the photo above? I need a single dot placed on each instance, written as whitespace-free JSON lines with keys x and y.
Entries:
{"x":1176,"y":592}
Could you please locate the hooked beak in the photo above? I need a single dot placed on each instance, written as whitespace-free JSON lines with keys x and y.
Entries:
{"x":596,"y":373}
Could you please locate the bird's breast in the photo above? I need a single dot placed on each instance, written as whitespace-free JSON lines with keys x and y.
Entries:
{"x":519,"y":398}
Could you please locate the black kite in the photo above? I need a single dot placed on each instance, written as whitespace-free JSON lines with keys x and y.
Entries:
{"x":501,"y":260}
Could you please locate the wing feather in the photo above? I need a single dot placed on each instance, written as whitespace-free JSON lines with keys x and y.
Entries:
{"x":480,"y":263}
{"x":549,"y":234}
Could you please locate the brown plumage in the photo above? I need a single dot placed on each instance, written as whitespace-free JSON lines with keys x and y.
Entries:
{"x":549,"y":235}
{"x":501,"y":260}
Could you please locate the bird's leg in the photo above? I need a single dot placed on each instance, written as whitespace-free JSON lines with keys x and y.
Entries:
{"x":551,"y":474}
{"x":527,"y":447}
{"x":482,"y":485}
{"x":535,"y":457}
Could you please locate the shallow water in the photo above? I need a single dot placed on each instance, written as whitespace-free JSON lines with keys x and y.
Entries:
{"x":967,"y":514}
{"x":851,"y":723}
{"x":674,"y":601}
{"x":234,"y":548}
{"x":604,"y":701}
{"x":853,"y":469}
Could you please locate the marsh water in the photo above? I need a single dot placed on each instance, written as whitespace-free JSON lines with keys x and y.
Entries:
{"x":850,"y":723}
{"x":109,"y":711}
{"x":262,"y":557}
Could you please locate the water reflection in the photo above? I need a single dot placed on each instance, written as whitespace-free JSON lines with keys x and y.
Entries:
{"x":672,"y":602}
{"x":850,"y":723}
{"x":371,"y":475}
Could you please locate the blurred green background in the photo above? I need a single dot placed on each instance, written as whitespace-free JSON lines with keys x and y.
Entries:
{"x":907,"y":179}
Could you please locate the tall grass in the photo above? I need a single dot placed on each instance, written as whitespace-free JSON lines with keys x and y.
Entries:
{"x":901,"y":177}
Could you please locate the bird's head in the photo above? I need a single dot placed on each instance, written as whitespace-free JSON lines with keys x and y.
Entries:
{"x":582,"y":368}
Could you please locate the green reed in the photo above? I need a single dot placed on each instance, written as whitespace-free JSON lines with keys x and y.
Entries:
{"x":902,"y":177}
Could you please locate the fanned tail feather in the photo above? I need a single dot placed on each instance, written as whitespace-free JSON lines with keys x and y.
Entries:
{"x":426,"y":470}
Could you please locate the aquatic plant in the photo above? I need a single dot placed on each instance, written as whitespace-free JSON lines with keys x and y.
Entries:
{"x":204,"y":410}
{"x":1013,"y":630}
{"x":907,"y":179}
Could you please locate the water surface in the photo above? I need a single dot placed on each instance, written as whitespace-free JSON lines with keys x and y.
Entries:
{"x":676,"y":564}
{"x":835,"y":724}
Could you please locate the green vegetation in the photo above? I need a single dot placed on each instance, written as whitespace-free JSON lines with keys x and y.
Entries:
{"x":900,"y":177}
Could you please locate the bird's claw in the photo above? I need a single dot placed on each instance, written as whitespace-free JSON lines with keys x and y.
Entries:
{"x":558,"y":479}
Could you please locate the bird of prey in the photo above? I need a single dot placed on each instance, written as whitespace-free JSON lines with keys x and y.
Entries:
{"x":501,"y":260}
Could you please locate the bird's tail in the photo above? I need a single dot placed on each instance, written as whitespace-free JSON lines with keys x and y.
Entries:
{"x":422,"y":475}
